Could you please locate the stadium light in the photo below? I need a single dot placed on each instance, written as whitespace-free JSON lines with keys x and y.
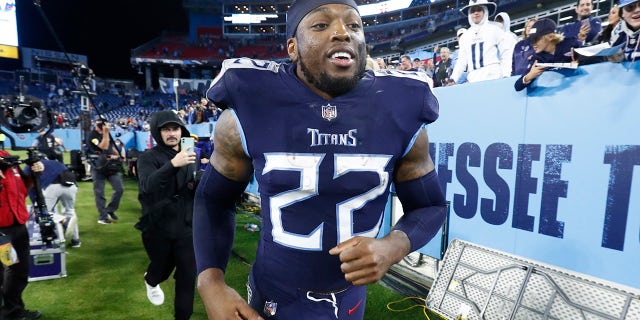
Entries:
{"x":246,"y":18}
{"x":383,"y":7}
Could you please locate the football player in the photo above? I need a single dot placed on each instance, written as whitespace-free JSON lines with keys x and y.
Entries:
{"x":324,"y":139}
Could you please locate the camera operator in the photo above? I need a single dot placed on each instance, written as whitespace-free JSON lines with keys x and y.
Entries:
{"x":48,"y":145}
{"x":58,"y":184}
{"x":167,"y":183}
{"x":13,"y":216}
{"x":102,"y":151}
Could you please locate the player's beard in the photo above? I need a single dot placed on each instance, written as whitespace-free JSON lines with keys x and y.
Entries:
{"x":334,"y":86}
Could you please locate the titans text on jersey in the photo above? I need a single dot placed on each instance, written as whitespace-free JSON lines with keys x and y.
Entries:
{"x":318,"y":138}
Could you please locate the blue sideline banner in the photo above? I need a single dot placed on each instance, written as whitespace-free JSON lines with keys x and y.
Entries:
{"x":139,"y":139}
{"x":70,"y":138}
{"x":551,"y":173}
{"x":144,"y":141}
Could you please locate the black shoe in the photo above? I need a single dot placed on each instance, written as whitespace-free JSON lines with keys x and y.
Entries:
{"x":25,"y":315}
{"x":113,"y":216}
{"x":75,"y":243}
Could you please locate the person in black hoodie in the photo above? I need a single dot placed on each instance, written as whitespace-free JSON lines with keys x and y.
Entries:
{"x":167,"y":182}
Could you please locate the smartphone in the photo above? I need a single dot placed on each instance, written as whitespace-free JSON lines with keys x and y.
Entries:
{"x":187,"y":143}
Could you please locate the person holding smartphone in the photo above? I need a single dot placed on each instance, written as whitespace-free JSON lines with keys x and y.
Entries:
{"x":166,"y":192}
{"x":586,"y":28}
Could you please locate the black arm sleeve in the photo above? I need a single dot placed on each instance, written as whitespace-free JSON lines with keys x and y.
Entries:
{"x":425,"y":209}
{"x":214,"y":219}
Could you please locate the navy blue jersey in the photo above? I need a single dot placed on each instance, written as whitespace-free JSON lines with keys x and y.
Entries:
{"x":323,"y":166}
{"x":573,"y":28}
{"x":522,"y":53}
{"x":561,"y":54}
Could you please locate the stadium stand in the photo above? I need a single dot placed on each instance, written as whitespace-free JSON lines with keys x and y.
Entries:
{"x":412,"y":30}
{"x":420,"y":27}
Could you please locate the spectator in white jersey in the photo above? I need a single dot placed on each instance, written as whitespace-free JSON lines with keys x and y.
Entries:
{"x":504,"y":21}
{"x":485,"y":49}
{"x":454,"y":58}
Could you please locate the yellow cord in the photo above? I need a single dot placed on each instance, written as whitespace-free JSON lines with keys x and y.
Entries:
{"x":415,"y":305}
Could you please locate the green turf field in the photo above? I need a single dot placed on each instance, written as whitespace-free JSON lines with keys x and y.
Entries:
{"x":105,"y":276}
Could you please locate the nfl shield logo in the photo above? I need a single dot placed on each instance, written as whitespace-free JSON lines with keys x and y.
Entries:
{"x":270,"y":308}
{"x":329,"y":112}
{"x":249,"y":293}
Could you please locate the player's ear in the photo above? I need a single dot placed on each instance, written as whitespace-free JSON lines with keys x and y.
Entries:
{"x":292,"y":49}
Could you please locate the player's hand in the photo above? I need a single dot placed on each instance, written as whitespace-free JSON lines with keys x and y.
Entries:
{"x":223,"y":302}
{"x":366,"y":260}
{"x":230,"y":305}
{"x":183,"y":158}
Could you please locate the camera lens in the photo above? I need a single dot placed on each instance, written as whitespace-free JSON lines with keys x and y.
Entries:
{"x":29,"y":113}
{"x":22,"y":114}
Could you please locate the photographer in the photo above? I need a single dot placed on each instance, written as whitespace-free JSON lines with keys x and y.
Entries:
{"x":13,"y":216}
{"x":106,"y":165}
{"x":167,"y":182}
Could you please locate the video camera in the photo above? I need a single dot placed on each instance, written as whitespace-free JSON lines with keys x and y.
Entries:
{"x":83,"y":77}
{"x":33,"y":156}
{"x":8,"y":162}
{"x":44,"y":219}
{"x":100,"y":123}
{"x":42,"y":216}
{"x":22,"y":114}
{"x":81,"y":71}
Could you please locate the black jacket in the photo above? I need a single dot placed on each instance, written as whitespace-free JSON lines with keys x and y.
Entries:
{"x":165,"y":193}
